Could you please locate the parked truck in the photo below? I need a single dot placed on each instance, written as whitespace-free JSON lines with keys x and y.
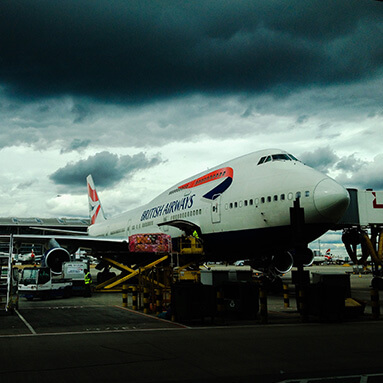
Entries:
{"x":41,"y":282}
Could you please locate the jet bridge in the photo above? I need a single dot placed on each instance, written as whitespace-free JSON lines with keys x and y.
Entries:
{"x":362,"y":226}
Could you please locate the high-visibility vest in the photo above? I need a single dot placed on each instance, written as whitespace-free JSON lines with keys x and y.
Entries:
{"x":87,"y":278}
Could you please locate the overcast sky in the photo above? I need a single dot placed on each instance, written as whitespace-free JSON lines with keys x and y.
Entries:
{"x":145,"y":94}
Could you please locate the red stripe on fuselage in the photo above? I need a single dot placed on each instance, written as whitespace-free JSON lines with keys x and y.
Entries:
{"x":212,"y":176}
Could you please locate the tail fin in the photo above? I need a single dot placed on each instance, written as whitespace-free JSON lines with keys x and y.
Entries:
{"x":95,"y":207}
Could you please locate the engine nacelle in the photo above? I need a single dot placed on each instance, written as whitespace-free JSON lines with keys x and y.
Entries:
{"x":54,"y":259}
{"x":307,"y":257}
{"x":283,"y":262}
{"x":304,"y":256}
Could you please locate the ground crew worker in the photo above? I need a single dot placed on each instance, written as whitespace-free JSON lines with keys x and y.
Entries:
{"x":88,"y":282}
{"x":195,"y":234}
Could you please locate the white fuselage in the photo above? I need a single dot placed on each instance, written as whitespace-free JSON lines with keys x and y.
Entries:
{"x":240,"y":200}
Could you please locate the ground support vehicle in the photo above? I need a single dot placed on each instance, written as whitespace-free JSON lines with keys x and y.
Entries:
{"x":41,"y":282}
{"x":75,"y":271}
{"x":38,"y":282}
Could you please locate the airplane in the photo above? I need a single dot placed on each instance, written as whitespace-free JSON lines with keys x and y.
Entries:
{"x":30,"y":257}
{"x":323,"y":259}
{"x":240,"y":209}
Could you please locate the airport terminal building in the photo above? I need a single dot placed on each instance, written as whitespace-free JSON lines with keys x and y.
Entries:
{"x":14,"y":225}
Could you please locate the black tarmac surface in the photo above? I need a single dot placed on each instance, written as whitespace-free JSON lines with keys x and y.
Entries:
{"x":96,"y":339}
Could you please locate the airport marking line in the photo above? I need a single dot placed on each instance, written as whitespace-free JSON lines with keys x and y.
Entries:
{"x":63,"y":307}
{"x":92,"y":332}
{"x":175,"y":328}
{"x":363,"y":379}
{"x":153,"y":317}
{"x":31,"y":329}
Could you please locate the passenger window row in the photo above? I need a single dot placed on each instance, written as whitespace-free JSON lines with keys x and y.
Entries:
{"x":262,"y":200}
{"x":186,"y":214}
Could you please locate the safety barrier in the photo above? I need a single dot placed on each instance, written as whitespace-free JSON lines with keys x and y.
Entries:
{"x":375,"y":304}
{"x":220,"y":302}
{"x":125,"y":296}
{"x":159,"y":299}
{"x":263,"y":305}
{"x":134,"y":298}
{"x":146,"y":300}
{"x":286,"y":297}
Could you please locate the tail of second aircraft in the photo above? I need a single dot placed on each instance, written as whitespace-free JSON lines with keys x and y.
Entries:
{"x":96,"y":213}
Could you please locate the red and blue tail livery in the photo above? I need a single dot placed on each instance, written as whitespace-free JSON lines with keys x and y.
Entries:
{"x":94,"y":202}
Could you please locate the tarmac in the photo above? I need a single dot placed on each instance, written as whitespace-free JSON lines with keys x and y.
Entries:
{"x":96,"y":339}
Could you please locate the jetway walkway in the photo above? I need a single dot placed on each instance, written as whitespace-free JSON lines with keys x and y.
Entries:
{"x":362,"y":226}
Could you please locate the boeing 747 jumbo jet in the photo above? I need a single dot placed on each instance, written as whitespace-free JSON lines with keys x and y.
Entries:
{"x":240,"y":210}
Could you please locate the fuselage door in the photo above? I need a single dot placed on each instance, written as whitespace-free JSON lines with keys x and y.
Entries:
{"x":216,"y":209}
{"x":128,"y":228}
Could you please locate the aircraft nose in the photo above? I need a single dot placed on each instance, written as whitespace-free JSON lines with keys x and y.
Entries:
{"x":331,"y":199}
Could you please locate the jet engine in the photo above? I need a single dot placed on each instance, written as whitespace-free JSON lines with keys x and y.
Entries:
{"x":303,"y":256}
{"x":307,"y":257}
{"x":283,"y":262}
{"x":55,"y":257}
{"x":273,"y":265}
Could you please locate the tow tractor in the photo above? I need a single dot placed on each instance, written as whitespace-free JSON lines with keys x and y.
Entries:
{"x":41,"y":282}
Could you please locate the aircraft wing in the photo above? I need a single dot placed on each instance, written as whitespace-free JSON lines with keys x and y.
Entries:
{"x":62,"y":231}
{"x":96,"y":245}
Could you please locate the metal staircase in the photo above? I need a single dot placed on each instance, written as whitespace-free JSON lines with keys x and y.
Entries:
{"x":8,"y":281}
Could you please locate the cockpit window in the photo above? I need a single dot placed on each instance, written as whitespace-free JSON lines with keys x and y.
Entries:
{"x":261,"y":161}
{"x":277,"y":157}
{"x":294,"y":158}
{"x":281,"y":157}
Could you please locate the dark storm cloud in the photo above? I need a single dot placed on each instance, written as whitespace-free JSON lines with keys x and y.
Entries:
{"x":106,"y":168}
{"x":352,"y":171}
{"x":80,"y":112}
{"x":367,"y":175}
{"x":325,"y":159}
{"x":25,"y":185}
{"x":302,"y":119}
{"x":321,"y":159}
{"x":76,"y":145}
{"x":350,"y":163}
{"x":124,"y":50}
